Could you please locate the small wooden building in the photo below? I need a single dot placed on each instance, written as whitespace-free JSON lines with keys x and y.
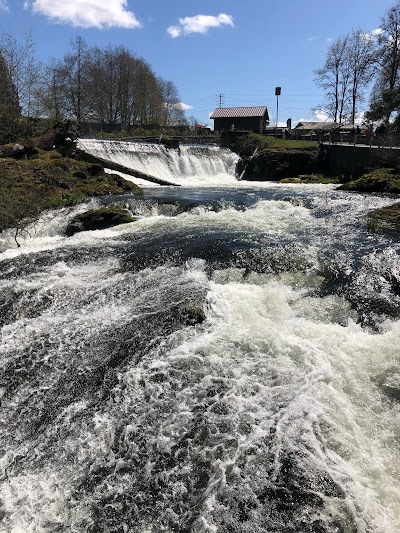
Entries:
{"x":240,"y":118}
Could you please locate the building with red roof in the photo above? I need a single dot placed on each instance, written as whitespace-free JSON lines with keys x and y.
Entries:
{"x":240,"y":118}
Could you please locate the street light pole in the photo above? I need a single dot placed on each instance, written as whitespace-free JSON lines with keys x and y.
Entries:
{"x":277,"y":93}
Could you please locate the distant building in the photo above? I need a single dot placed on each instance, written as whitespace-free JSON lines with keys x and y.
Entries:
{"x":308,"y":127}
{"x":240,"y":118}
{"x":351,"y":128}
{"x":202,"y":130}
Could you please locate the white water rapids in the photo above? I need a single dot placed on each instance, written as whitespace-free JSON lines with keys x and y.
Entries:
{"x":227,"y":363}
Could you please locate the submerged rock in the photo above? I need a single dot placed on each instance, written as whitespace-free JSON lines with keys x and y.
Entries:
{"x":188,"y":313}
{"x":389,"y":383}
{"x":96,"y":219}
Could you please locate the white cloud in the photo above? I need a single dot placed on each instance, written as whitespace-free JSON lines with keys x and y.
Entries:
{"x":185,"y":107}
{"x":199,"y":24}
{"x":377,"y":32}
{"x":321,"y":116}
{"x":4,"y":6}
{"x":87,"y":13}
{"x":359,"y":118}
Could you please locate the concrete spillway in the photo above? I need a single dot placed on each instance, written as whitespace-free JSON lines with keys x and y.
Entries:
{"x":192,"y":165}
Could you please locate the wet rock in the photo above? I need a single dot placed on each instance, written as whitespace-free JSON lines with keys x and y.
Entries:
{"x":96,"y":219}
{"x":389,"y":383}
{"x":80,"y":175}
{"x":189,"y":313}
{"x":95,"y":170}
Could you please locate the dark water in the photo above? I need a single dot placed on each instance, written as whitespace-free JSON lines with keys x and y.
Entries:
{"x":228,"y":363}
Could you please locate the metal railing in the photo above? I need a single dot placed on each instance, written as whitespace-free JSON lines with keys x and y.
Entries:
{"x":376,"y":141}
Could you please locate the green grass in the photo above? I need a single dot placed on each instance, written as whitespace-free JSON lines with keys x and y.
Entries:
{"x":282,"y":144}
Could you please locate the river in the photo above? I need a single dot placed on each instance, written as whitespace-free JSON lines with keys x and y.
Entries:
{"x":229,"y":362}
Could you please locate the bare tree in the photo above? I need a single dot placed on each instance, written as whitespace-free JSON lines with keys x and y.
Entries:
{"x":388,"y":57}
{"x":122,"y":88}
{"x":74,"y":76}
{"x":19,"y":208}
{"x":173,"y":111}
{"x":50,"y":95}
{"x":334,"y":77}
{"x":109,"y":85}
{"x":361,"y":57}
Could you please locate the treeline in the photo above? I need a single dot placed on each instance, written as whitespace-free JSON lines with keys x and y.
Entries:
{"x":89,"y":84}
{"x":360,"y":61}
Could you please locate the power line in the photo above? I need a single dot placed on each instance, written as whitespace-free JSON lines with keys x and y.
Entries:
{"x":220,"y":98}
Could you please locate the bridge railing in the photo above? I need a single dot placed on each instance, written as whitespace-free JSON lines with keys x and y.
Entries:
{"x":382,"y":141}
{"x":162,"y":139}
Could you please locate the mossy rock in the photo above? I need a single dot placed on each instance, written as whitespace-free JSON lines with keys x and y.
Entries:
{"x":291,"y":180}
{"x":97,"y":219}
{"x":389,"y":215}
{"x":188,"y":313}
{"x":384,"y":180}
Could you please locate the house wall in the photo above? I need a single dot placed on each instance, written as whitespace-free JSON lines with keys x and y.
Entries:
{"x":256,"y":124}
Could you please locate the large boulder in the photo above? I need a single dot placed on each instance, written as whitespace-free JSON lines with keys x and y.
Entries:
{"x":273,"y":165}
{"x":95,"y":219}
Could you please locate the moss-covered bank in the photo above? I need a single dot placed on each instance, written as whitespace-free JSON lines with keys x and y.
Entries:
{"x":381,"y":180}
{"x":384,"y":180}
{"x":265,"y":158}
{"x":389,"y":215}
{"x":46,"y":179}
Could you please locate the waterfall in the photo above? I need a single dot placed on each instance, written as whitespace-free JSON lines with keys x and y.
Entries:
{"x":190,"y":165}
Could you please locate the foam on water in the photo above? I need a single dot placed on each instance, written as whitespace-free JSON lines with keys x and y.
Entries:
{"x":191,"y":165}
{"x":122,"y":411}
{"x":266,"y":398}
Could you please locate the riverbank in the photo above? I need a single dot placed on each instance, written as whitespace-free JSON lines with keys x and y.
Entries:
{"x":46,"y":180}
{"x":286,"y":161}
{"x":381,"y":180}
{"x":271,"y":159}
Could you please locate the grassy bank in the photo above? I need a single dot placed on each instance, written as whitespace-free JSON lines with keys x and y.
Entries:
{"x":47,"y":180}
{"x":384,"y":180}
{"x":267,"y":158}
{"x":262,"y":142}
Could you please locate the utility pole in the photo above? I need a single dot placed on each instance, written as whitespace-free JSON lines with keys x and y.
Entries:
{"x":220,"y":96}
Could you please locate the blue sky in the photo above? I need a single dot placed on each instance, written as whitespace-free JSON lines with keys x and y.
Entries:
{"x":239,"y":49}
